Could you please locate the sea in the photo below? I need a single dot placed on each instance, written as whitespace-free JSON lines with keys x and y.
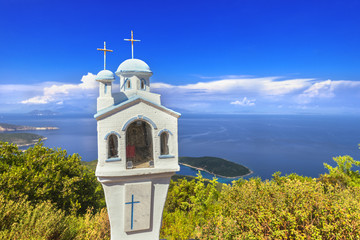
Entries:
{"x":264,"y":143}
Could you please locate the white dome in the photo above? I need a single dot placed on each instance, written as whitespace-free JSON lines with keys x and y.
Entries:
{"x":105,"y":75}
{"x":133,"y":65}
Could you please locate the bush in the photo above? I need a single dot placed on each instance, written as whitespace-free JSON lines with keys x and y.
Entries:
{"x":188,"y":205}
{"x":42,"y":174}
{"x":342,"y":174}
{"x":22,"y":220}
{"x":293,"y":208}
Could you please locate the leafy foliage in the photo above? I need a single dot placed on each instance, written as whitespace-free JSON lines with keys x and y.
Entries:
{"x":40,"y":174}
{"x":46,"y":194}
{"x":188,"y":205}
{"x":286,"y":207}
{"x":20,"y":138}
{"x":342,"y":173}
{"x":23,"y":220}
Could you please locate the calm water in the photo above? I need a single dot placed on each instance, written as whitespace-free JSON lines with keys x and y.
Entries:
{"x":264,"y":143}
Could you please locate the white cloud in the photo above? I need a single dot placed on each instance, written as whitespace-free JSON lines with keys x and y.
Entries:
{"x":269,"y":94}
{"x":60,"y":91}
{"x":325,"y":89}
{"x":244,"y":102}
{"x":269,"y":86}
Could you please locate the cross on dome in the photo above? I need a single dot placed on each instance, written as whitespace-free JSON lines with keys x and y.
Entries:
{"x":132,"y":40}
{"x":105,"y":50}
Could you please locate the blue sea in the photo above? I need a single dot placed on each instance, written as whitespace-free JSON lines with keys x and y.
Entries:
{"x":264,"y":143}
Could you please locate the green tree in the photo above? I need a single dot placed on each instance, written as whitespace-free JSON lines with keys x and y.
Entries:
{"x":189,"y":205}
{"x":40,"y":174}
{"x":342,"y":174}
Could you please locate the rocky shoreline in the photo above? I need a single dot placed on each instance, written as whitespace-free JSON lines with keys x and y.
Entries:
{"x":4,"y":127}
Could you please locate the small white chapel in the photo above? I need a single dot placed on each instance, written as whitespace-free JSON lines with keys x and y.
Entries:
{"x":137,"y":149}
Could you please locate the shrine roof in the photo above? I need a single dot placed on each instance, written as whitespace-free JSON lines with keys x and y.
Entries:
{"x":133,"y":65}
{"x":130,"y":102}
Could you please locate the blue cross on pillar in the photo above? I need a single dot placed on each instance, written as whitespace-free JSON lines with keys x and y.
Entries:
{"x":132,"y":209}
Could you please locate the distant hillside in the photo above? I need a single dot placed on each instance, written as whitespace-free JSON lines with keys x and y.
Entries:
{"x":21,"y":139}
{"x":216,"y":166}
{"x":92,"y":164}
{"x":6,"y":127}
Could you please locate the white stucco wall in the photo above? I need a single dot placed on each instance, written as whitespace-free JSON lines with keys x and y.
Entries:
{"x":116,"y":122}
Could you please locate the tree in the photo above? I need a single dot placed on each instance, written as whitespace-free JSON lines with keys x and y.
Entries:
{"x":40,"y":173}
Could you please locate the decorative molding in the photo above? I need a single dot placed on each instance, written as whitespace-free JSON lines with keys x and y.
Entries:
{"x":166,"y":156}
{"x":113,"y":160}
{"x":165,"y":130}
{"x":112,"y":132}
{"x":139,"y":117}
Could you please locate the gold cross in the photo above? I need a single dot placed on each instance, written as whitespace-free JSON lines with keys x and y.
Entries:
{"x":105,"y":50}
{"x":132,"y":40}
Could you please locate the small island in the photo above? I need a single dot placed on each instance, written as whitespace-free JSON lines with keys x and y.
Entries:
{"x":5,"y":127}
{"x":216,"y":166}
{"x":21,"y":139}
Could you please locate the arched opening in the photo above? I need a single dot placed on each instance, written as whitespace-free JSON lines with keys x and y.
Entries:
{"x":127,"y":83}
{"x":164,"y":147}
{"x":112,"y":146}
{"x":142,"y":84}
{"x":139,"y":146}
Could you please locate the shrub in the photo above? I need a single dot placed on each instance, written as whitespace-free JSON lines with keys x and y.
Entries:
{"x":293,"y":208}
{"x":22,"y":220}
{"x":42,"y":174}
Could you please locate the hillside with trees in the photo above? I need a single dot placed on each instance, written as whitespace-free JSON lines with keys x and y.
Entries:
{"x":216,"y":166}
{"x":21,"y":139}
{"x":47,"y":194}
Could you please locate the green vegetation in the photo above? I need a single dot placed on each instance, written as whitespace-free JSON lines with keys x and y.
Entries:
{"x":61,"y":199}
{"x":216,"y":166}
{"x":91,"y":165}
{"x":286,"y":207}
{"x":41,"y":174}
{"x":21,"y":139}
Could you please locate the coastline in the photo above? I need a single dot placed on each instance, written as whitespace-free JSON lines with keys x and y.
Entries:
{"x":21,"y":128}
{"x":217,"y":175}
{"x":30,"y":144}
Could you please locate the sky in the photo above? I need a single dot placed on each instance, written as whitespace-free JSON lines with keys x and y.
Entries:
{"x":229,"y":56}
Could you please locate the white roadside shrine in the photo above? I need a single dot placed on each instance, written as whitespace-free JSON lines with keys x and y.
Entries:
{"x":137,"y":150}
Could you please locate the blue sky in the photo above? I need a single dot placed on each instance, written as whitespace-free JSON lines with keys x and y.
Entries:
{"x":244,"y":56}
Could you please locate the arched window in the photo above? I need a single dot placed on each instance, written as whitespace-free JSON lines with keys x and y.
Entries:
{"x":142,"y":84}
{"x":139,"y":148}
{"x":127,"y":83}
{"x":112,"y":146}
{"x":164,"y":147}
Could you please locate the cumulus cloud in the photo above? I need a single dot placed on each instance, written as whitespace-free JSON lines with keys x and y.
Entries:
{"x":325,"y":89}
{"x":58,"y":92}
{"x":244,"y":102}
{"x":270,"y":86}
{"x":269,"y":94}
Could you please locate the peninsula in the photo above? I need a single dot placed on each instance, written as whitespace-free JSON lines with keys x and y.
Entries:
{"x":216,"y":166}
{"x":21,"y":139}
{"x":5,"y":127}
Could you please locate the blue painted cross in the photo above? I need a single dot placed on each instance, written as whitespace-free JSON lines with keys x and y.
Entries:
{"x":132,"y":209}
